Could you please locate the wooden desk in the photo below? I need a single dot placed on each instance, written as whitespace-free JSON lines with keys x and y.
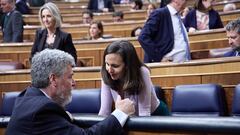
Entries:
{"x":220,"y":5}
{"x":76,"y":18}
{"x":223,"y":71}
{"x":90,"y":52}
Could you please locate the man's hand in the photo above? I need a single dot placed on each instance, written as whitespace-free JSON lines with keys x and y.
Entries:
{"x":125,"y":105}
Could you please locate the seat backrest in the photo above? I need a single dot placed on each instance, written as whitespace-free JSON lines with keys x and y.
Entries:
{"x":199,"y":100}
{"x":85,"y":101}
{"x":236,"y":101}
{"x":8,"y":101}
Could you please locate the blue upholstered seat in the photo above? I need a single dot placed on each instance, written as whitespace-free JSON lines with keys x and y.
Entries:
{"x":8,"y":101}
{"x":236,"y":101}
{"x":199,"y":100}
{"x":85,"y":101}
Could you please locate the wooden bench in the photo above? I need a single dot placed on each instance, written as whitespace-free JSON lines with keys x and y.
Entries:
{"x":223,"y":71}
{"x":91,"y":52}
{"x":73,"y":18}
{"x":220,"y":5}
{"x":66,"y":9}
{"x":77,"y":18}
{"x":123,"y":30}
{"x":79,"y":7}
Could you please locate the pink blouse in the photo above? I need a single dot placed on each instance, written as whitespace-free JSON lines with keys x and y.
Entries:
{"x":145,"y":102}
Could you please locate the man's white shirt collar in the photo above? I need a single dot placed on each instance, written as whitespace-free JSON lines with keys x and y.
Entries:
{"x":172,"y":10}
{"x":45,"y":93}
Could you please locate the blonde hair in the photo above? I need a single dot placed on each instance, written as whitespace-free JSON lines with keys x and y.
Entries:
{"x":53,"y":9}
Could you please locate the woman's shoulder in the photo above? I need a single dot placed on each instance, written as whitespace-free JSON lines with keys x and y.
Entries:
{"x":212,"y":11}
{"x":62,"y":32}
{"x":193,"y":11}
{"x":145,"y":70}
{"x":41,"y":31}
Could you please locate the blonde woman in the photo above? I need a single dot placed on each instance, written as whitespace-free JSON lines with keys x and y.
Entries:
{"x":50,"y":35}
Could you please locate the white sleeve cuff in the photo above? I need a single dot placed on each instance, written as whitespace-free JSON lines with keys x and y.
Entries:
{"x":121,"y":116}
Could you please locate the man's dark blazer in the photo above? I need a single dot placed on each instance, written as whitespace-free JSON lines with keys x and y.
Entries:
{"x":230,"y":54}
{"x":93,"y":5}
{"x":36,"y":114}
{"x":63,"y":41}
{"x":22,"y":7}
{"x":214,"y":20}
{"x":13,"y":29}
{"x":157,"y":36}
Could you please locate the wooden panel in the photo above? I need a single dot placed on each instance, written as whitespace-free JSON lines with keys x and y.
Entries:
{"x":85,"y":84}
{"x":222,"y":79}
{"x":219,"y":5}
{"x":14,"y":86}
{"x":124,"y":29}
{"x":8,"y":57}
{"x":209,"y":44}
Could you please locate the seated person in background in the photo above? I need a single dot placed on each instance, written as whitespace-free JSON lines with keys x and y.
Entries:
{"x":164,"y":3}
{"x":2,"y":15}
{"x":116,"y":1}
{"x":185,"y":11}
{"x":202,"y":17}
{"x":163,"y":37}
{"x":12,"y":26}
{"x":136,"y":31}
{"x":136,"y":5}
{"x":123,"y":74}
{"x":233,"y":35}
{"x":121,"y":1}
{"x":21,"y":6}
{"x":118,"y":16}
{"x":150,"y":8}
{"x":51,"y":35}
{"x":87,"y":17}
{"x":40,"y":108}
{"x":100,"y":6}
{"x":36,"y":3}
{"x":229,"y":7}
{"x":95,"y":30}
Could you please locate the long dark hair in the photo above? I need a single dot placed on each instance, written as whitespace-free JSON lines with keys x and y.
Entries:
{"x":132,"y":80}
{"x":199,"y":6}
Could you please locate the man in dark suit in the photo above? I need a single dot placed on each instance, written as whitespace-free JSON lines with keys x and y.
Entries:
{"x":163,"y":37}
{"x":100,"y":5}
{"x":39,"y":109}
{"x":233,"y":35}
{"x":12,"y":26}
{"x":22,"y":7}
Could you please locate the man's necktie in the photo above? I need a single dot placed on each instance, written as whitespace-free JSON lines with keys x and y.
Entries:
{"x":184,"y":37}
{"x":6,"y":18}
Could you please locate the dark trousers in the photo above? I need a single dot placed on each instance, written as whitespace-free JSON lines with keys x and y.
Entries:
{"x":162,"y":110}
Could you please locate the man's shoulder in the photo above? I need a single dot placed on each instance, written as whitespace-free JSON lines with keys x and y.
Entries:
{"x":162,"y":10}
{"x":16,"y":13}
{"x":230,"y":54}
{"x":33,"y":98}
